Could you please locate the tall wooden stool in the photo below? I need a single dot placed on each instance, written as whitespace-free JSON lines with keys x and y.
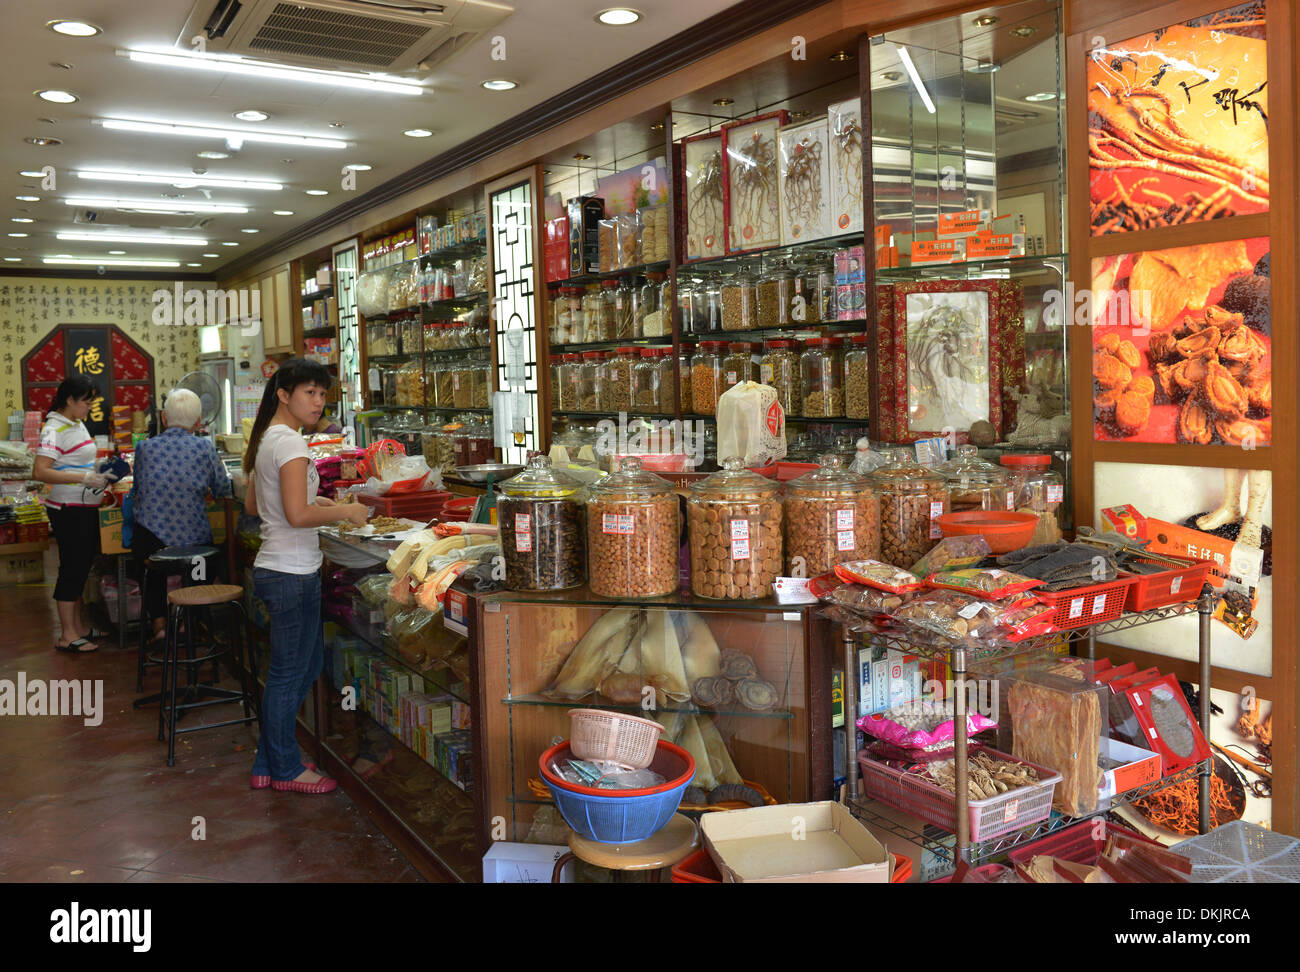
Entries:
{"x":659,"y":851}
{"x":161,"y":565}
{"x":180,"y":607}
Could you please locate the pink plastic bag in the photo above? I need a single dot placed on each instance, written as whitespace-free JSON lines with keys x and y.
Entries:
{"x":937,"y":734}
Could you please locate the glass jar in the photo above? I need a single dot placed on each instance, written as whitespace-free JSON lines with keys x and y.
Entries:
{"x":857,"y":388}
{"x":684,"y":355}
{"x":911,"y":501}
{"x":822,"y":386}
{"x":407,"y":382}
{"x":462,"y":385}
{"x":805,"y":306}
{"x":1036,"y":488}
{"x":444,"y":450}
{"x":618,"y":379}
{"x":974,"y":484}
{"x":473,"y":445}
{"x":665,"y":362}
{"x":738,"y":365}
{"x":686,"y":297}
{"x":654,"y":312}
{"x":607,"y":322}
{"x":553,"y":309}
{"x":775,"y":290}
{"x":568,"y":315}
{"x":556,"y":361}
{"x":713,"y":302}
{"x":803,"y":449}
{"x":624,"y":297}
{"x":591,"y":383}
{"x":540,"y":516}
{"x":832,"y":516}
{"x":668,"y":304}
{"x":411,"y":336}
{"x":706,"y":377}
{"x":593,"y":307}
{"x":429,"y":446}
{"x":569,"y":382}
{"x":430,"y":383}
{"x":379,"y":339}
{"x":734,"y":521}
{"x":779,"y":367}
{"x":444,"y":376}
{"x":633,"y":526}
{"x":482,"y":385}
{"x":739,"y":312}
{"x":645,"y":382}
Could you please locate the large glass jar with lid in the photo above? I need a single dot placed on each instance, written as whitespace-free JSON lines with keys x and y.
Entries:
{"x":552,"y":311}
{"x":482,"y":377}
{"x":804,"y":307}
{"x":738,"y":365}
{"x":911,"y":501}
{"x":591,"y":382}
{"x":857,"y":369}
{"x":593,"y":307}
{"x":684,"y":355}
{"x":568,"y":314}
{"x":706,"y":376}
{"x":712,"y":289}
{"x":567,"y":400}
{"x":462,"y":384}
{"x":633,"y":528}
{"x":645,"y":382}
{"x":625,"y":299}
{"x":832,"y":516}
{"x":974,"y":484}
{"x":556,"y":361}
{"x":444,"y":377}
{"x":820,"y":379}
{"x":618,"y":379}
{"x":735,"y":527}
{"x":1036,"y":488}
{"x":474,"y":444}
{"x":665,"y":361}
{"x":779,"y":367}
{"x":739,"y":310}
{"x":607,"y":326}
{"x":540,"y":514}
{"x":686,"y":300}
{"x":655,"y":315}
{"x":775,"y":292}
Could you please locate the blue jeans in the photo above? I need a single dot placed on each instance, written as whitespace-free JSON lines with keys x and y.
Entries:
{"x":297,"y":655}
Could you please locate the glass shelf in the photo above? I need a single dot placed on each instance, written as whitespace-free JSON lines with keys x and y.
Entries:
{"x":635,"y":709}
{"x":588,"y":278}
{"x":391,"y":358}
{"x":380,"y":642}
{"x":1016,"y":266}
{"x":795,"y":332}
{"x":678,"y":599}
{"x":666,"y":341}
{"x":318,"y":295}
{"x":455,"y":354}
{"x":734,"y":261}
{"x":448,"y":303}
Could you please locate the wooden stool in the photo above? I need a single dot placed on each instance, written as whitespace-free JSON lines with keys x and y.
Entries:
{"x":672,"y":844}
{"x":162,"y":564}
{"x":181,"y":602}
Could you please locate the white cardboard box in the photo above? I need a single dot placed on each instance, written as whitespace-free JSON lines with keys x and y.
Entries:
{"x":794,"y":843}
{"x":508,"y":862}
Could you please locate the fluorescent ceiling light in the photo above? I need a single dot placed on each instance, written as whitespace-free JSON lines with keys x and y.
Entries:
{"x":57,"y":96}
{"x":179,"y":179}
{"x":906,"y":58}
{"x":499,"y":84}
{"x":283,"y":212}
{"x":117,"y":252}
{"x":91,"y":262}
{"x":250,"y":230}
{"x":230,"y":244}
{"x":227,"y":134}
{"x":211,"y":254}
{"x":22,"y":219}
{"x":28,"y":198}
{"x":252,"y":114}
{"x":160,"y":206}
{"x":18,"y":236}
{"x":618,"y":16}
{"x":32,"y":173}
{"x":110,"y":237}
{"x":13,"y":259}
{"x":194,"y":264}
{"x":210,"y":154}
{"x":417,"y":133}
{"x":73,"y":28}
{"x":317,"y":192}
{"x":233,"y":64}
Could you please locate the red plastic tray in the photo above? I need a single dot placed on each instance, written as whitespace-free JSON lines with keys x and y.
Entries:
{"x":1078,"y":606}
{"x":1081,"y":843}
{"x":413,"y":506}
{"x":1167,"y":587}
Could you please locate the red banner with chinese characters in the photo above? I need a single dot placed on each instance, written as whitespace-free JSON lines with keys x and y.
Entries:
{"x":119,"y":368}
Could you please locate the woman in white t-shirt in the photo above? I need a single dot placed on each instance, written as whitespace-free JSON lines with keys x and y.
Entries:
{"x":282,"y":491}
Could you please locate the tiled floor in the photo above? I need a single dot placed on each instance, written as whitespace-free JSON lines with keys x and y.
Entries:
{"x":99,"y":804}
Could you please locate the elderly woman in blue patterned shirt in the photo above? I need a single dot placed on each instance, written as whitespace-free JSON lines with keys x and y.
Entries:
{"x":174,"y":472}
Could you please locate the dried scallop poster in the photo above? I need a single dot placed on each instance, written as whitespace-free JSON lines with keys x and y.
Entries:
{"x":1224,"y":515}
{"x":1178,"y":123}
{"x":1182,"y":345}
{"x":805,"y":182}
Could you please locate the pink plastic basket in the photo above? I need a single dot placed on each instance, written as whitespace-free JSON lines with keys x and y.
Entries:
{"x":617,"y":736}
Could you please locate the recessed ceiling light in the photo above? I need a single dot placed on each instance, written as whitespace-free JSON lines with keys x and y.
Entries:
{"x":73,"y":28}
{"x":618,"y":16}
{"x":92,"y":262}
{"x":13,"y":259}
{"x":111,"y":237}
{"x":798,"y":115}
{"x":33,"y":173}
{"x":211,"y":254}
{"x":61,"y":65}
{"x":317,"y":192}
{"x":1025,"y":31}
{"x":581,"y":156}
{"x":986,"y":21}
{"x":56,"y":95}
{"x":18,"y":236}
{"x":417,"y":133}
{"x":48,"y":121}
{"x":230,"y":244}
{"x":841,"y":56}
{"x":1042,"y":96}
{"x":194,"y":264}
{"x":180,"y":180}
{"x":22,"y":219}
{"x":499,"y":84}
{"x":28,"y":198}
{"x":117,"y":252}
{"x":358,"y":167}
{"x":209,"y":154}
{"x":252,"y":114}
{"x":250,"y":230}
{"x":228,"y":64}
{"x":283,"y":212}
{"x":288,"y":161}
{"x":43,"y":141}
{"x":723,"y":102}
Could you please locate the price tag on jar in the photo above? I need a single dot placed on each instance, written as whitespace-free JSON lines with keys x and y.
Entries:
{"x":766,"y":373}
{"x":455,"y":380}
{"x":523,"y":533}
{"x":936,"y":511}
{"x":1011,"y":502}
{"x":740,"y":549}
{"x":739,"y":529}
{"x":844,"y":519}
{"x":844,"y":540}
{"x":731,"y":377}
{"x":617,"y":523}
{"x":1056,"y":494}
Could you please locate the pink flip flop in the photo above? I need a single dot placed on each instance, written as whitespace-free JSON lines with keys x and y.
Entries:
{"x":263,"y":782}
{"x":324,"y":785}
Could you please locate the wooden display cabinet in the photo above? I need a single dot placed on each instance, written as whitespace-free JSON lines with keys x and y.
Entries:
{"x":522,"y":640}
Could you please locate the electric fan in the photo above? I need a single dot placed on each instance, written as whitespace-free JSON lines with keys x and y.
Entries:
{"x":209,"y":392}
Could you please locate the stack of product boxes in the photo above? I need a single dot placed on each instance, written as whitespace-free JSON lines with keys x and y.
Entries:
{"x":851,"y":283}
{"x":461,"y":227}
{"x":972,"y":234}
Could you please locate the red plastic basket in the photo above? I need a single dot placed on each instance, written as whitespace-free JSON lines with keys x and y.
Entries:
{"x":458,"y":508}
{"x":412,"y":506}
{"x":1080,"y":843}
{"x":989,"y":818}
{"x":1175,"y":586}
{"x":698,"y":868}
{"x":986,"y":871}
{"x":1077,"y":606}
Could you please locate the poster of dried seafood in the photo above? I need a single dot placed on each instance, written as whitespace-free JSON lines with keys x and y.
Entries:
{"x":704,"y":205}
{"x":1178,"y":123}
{"x":845,"y":124}
{"x":751,"y":188}
{"x":1182,"y":345}
{"x":805,"y":182}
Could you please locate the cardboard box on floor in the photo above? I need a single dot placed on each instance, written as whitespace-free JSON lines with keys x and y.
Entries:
{"x":22,"y":563}
{"x":508,"y":862}
{"x":110,"y":527}
{"x":796,"y":843}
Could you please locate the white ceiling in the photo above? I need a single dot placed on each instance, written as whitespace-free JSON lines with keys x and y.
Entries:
{"x":548,"y":47}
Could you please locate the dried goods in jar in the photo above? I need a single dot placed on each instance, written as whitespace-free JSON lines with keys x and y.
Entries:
{"x":911,"y":501}
{"x":618,"y":381}
{"x":831,"y":517}
{"x":633,"y":529}
{"x":857,"y":387}
{"x":542,"y":531}
{"x":829,"y":403}
{"x":734,"y":524}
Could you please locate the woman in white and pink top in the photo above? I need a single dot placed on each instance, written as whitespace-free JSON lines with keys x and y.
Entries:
{"x":65,"y":458}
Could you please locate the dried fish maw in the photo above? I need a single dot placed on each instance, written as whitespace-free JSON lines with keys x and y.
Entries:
{"x":1109,"y":372}
{"x":661,"y":658}
{"x":691,"y":741}
{"x":724,"y":770}
{"x":1207,"y":266}
{"x":757,"y":694}
{"x":701,"y":656}
{"x":713,"y":693}
{"x":1058,"y":726}
{"x":1169,"y":291}
{"x":1194,"y":424}
{"x":597,"y":653}
{"x":737,"y":665}
{"x":622,"y":688}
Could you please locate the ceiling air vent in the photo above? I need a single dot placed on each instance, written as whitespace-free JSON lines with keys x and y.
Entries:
{"x":357,"y":35}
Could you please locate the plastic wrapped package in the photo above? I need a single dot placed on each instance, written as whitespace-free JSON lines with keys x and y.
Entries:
{"x":952,"y":553}
{"x":1057,"y":721}
{"x":372,"y":292}
{"x":608,"y":235}
{"x":627,"y":229}
{"x":924,"y":726}
{"x":751,"y":424}
{"x":656,"y":243}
